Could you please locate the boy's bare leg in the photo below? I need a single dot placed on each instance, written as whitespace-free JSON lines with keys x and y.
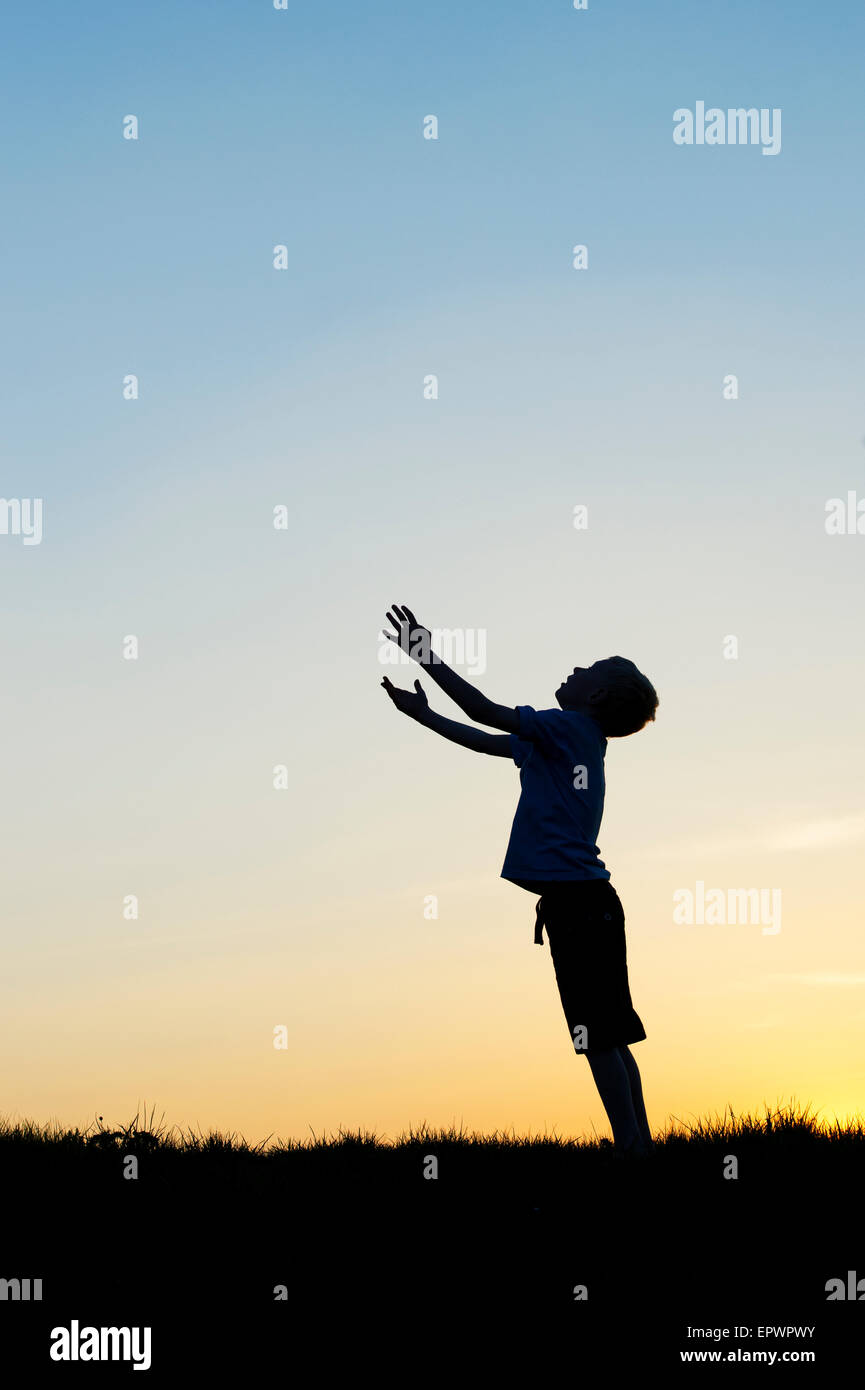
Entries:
{"x":614,"y":1087}
{"x":637,"y":1095}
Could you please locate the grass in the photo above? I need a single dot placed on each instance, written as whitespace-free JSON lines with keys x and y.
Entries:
{"x":348,"y":1225}
{"x":784,"y":1122}
{"x":783,"y":1134}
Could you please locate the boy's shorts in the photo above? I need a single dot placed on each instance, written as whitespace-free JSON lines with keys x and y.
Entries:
{"x":585,"y":925}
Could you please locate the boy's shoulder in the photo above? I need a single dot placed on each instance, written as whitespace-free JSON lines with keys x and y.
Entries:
{"x":571,"y":716}
{"x":559,"y":723}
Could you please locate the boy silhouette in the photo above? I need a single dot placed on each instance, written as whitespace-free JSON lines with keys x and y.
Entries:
{"x":552,"y":850}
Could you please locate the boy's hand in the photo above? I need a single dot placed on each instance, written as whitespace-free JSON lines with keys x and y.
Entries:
{"x":415,"y":706}
{"x":410,"y":636}
{"x":415,"y":641}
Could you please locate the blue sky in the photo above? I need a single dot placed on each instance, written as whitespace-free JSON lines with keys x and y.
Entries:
{"x":257,"y":387}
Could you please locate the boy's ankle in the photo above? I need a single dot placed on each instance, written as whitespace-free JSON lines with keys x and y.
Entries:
{"x":637,"y":1148}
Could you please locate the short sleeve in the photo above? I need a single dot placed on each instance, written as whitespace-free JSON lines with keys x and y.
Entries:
{"x":520,"y":749}
{"x":534,"y":728}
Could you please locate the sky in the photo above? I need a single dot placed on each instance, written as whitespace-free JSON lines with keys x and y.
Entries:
{"x":697,"y":386}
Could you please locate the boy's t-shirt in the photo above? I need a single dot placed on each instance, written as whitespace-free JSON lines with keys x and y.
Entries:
{"x":560,"y":754}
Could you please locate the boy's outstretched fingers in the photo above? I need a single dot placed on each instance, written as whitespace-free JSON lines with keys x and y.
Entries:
{"x":395,"y":616}
{"x":397,"y":636}
{"x":411,"y":704}
{"x":406,"y":625}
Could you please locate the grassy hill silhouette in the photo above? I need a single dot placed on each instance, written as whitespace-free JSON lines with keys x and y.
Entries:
{"x":343,"y":1230}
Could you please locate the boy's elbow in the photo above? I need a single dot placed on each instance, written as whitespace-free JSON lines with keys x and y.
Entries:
{"x":484,"y":711}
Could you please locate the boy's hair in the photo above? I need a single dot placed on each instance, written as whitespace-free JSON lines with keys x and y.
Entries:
{"x":631,"y":699}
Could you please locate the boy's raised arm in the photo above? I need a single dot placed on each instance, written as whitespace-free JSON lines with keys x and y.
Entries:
{"x":416,"y":707}
{"x":415,"y":640}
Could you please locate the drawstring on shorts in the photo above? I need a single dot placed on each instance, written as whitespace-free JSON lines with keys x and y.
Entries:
{"x":539,"y":922}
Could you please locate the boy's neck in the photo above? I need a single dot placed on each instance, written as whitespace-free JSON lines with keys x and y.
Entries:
{"x":587,"y":711}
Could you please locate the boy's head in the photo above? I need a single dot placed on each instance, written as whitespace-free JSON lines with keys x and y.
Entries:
{"x":613,"y":692}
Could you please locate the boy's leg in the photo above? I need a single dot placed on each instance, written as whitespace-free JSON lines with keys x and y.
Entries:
{"x":614,"y":1087}
{"x":636,"y":1094}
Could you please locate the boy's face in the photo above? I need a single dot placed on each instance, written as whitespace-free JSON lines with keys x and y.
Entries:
{"x":584,"y":687}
